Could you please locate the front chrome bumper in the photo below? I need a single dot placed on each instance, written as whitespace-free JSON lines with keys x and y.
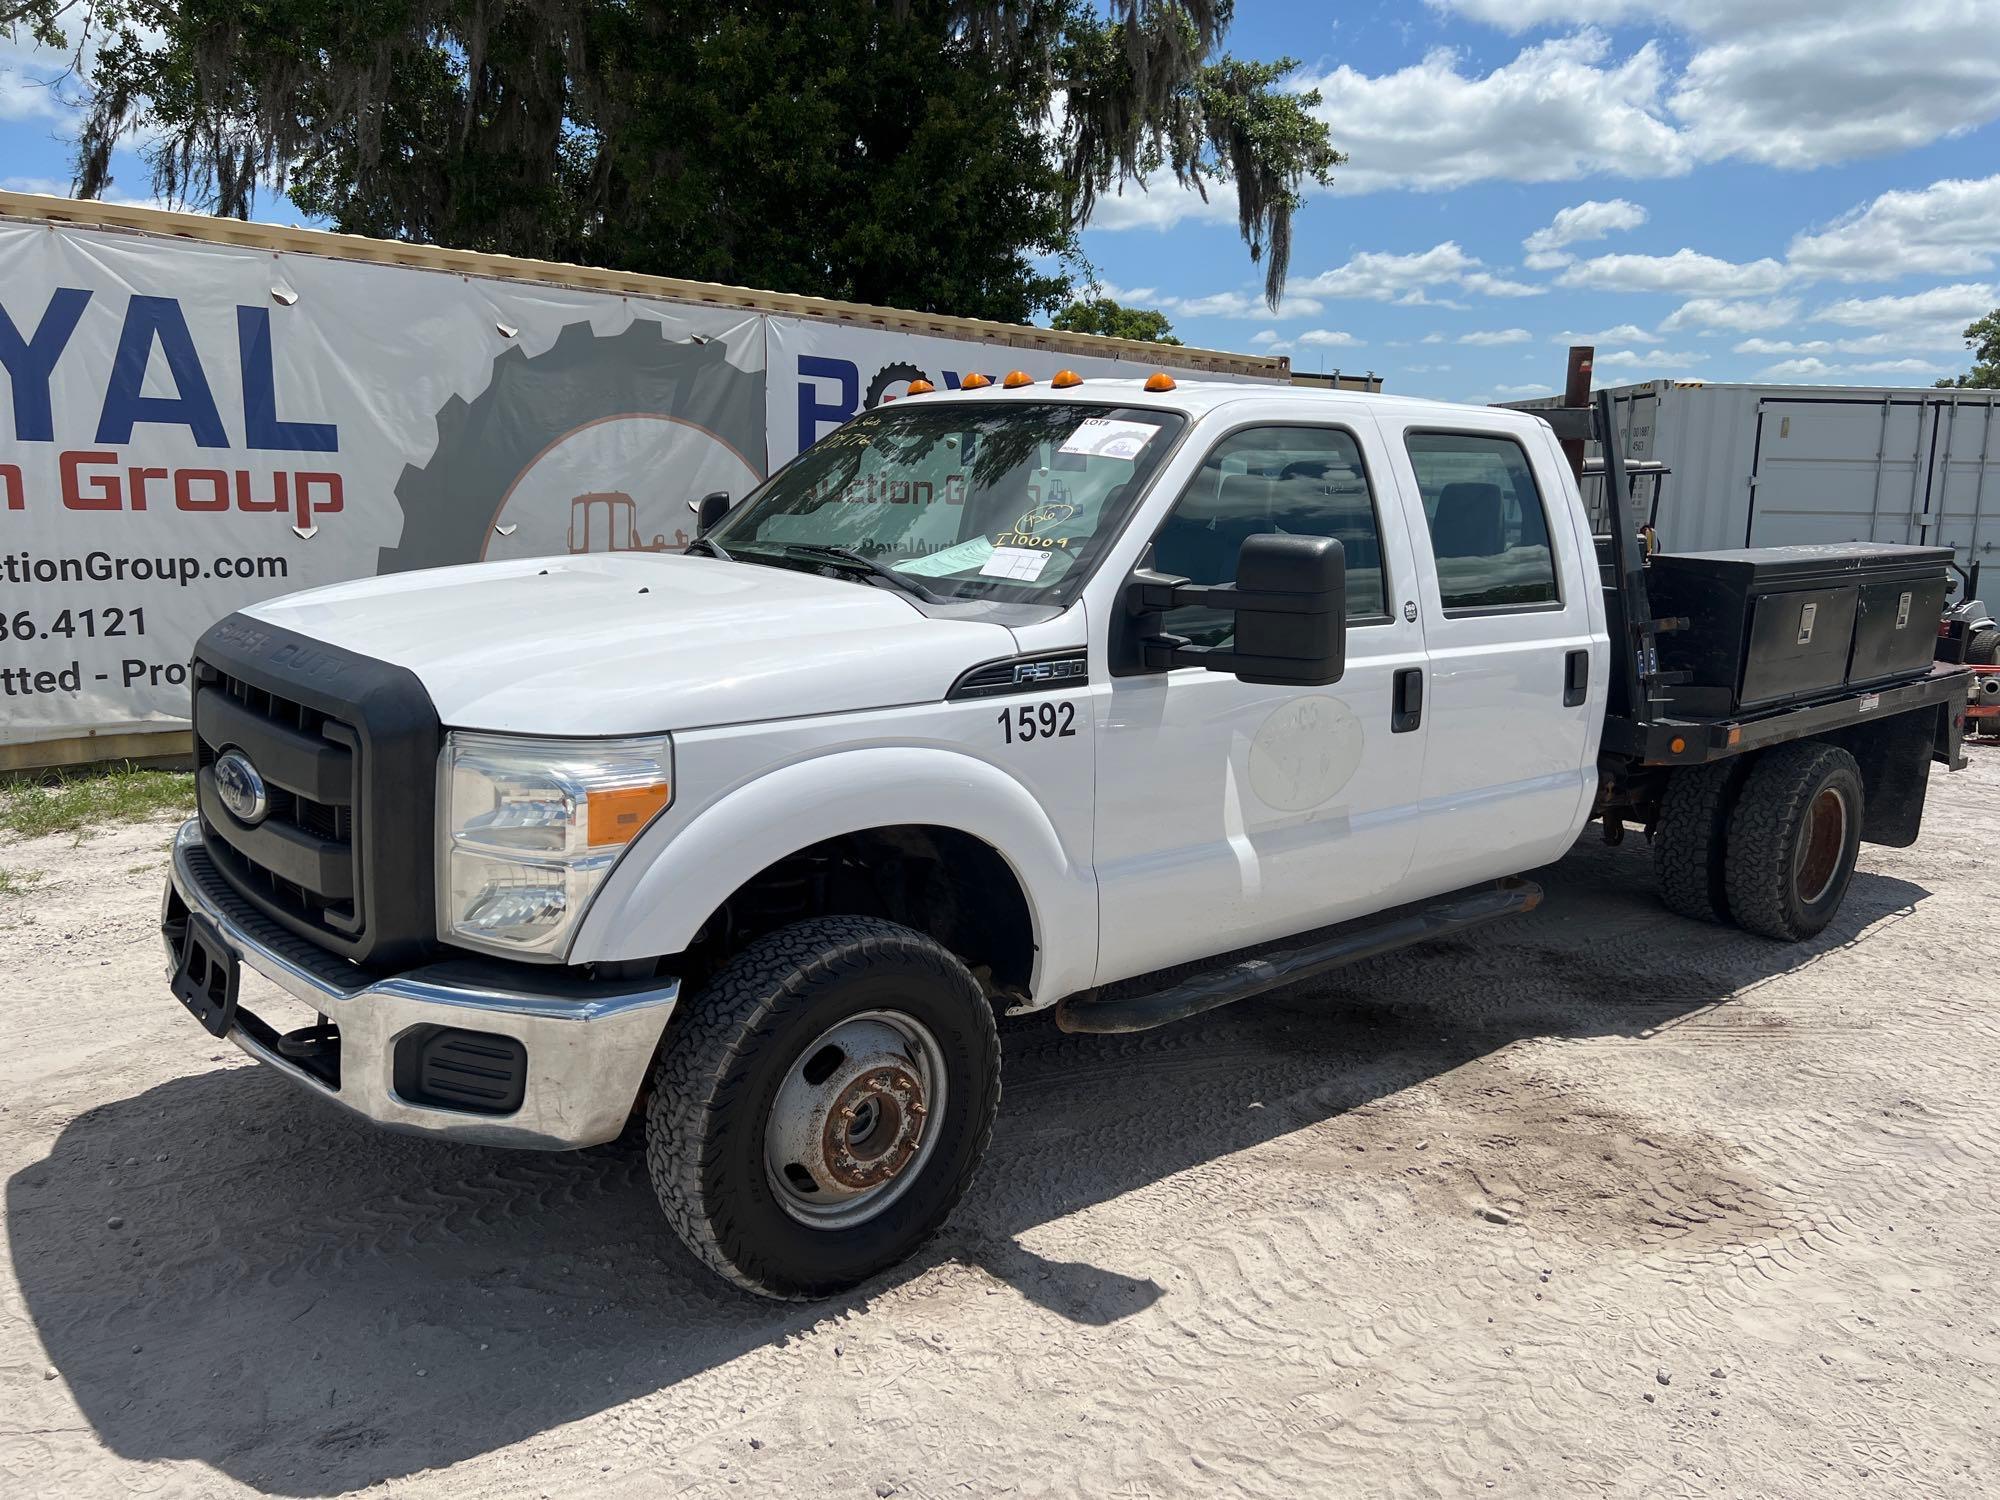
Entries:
{"x":587,"y":1048}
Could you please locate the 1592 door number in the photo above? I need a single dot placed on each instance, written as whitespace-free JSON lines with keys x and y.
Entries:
{"x":1039,"y":721}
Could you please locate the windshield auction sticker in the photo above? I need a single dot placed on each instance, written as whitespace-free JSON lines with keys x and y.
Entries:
{"x":1107,"y":437}
{"x":1015,"y":563}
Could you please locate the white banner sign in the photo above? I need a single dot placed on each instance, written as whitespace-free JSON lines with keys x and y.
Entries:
{"x":192,"y":427}
{"x":823,"y":373}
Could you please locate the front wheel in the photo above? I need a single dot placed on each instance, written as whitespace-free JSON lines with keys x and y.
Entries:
{"x":822,"y":1104}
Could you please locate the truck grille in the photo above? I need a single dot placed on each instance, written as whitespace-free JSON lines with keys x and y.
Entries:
{"x":346,"y":749}
{"x":301,"y":855}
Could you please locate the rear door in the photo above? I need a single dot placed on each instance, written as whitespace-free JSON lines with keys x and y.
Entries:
{"x":1515,"y":690}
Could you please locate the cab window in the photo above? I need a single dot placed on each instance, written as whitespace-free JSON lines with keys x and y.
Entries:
{"x":1489,"y":529}
{"x":1297,"y":481}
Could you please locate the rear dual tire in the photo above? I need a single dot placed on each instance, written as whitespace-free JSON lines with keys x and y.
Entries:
{"x":1768,"y":844}
{"x":1794,"y":834}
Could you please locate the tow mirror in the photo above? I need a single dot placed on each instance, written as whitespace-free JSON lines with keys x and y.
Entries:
{"x":708,"y":510}
{"x":1290,"y":603}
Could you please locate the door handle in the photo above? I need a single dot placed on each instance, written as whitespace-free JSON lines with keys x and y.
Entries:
{"x":1407,"y":711}
{"x":1576,"y":678}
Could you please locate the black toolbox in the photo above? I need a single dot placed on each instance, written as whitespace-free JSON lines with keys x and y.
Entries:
{"x":1775,"y":625}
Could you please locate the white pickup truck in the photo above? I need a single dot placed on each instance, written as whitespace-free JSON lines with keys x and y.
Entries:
{"x":1116,"y":699}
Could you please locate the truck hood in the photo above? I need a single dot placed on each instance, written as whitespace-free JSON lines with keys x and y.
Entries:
{"x":637,"y":644}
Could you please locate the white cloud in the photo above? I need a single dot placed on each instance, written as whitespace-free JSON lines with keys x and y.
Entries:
{"x":1159,"y":202}
{"x":1238,"y":305}
{"x":1624,"y":333}
{"x":1488,"y":285}
{"x":1327,"y":338}
{"x":1737,"y":317}
{"x":1659,"y":360}
{"x":1560,"y":110}
{"x":1812,"y":368}
{"x":1946,"y":306}
{"x":32,"y":84}
{"x":1383,"y":276}
{"x":1522,"y":392}
{"x":1801,"y":83}
{"x":1935,"y":338}
{"x":1214,"y":305}
{"x":1589,"y":220}
{"x":1493,"y":338}
{"x":1684,"y":271}
{"x":1267,"y":336}
{"x":1946,"y":229}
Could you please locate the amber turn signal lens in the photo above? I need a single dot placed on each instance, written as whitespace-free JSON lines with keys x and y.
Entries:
{"x":617,"y":816}
{"x":1677,"y":744}
{"x":1064,"y":379}
{"x":921,"y":388}
{"x":1016,"y":379}
{"x":975,"y":382}
{"x":1159,"y":380}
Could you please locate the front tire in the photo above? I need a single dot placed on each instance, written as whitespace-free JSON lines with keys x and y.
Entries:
{"x":1793,"y":837}
{"x":822,"y":1104}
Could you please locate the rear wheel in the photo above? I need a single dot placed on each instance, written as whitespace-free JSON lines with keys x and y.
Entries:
{"x":822,"y":1104}
{"x":1691,"y":835}
{"x":1793,"y":837}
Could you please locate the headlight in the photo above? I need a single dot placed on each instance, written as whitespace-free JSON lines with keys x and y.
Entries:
{"x":529,"y":828}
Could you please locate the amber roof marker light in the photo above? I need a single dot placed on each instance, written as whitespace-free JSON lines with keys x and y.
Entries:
{"x":1159,"y":380}
{"x":1062,"y":380}
{"x":920,"y":388}
{"x":975,"y":382}
{"x":1016,"y":379}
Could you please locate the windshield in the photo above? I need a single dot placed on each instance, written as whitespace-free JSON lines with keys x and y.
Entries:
{"x":1006,"y":500}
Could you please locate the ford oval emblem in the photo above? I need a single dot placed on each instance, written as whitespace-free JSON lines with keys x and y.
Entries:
{"x":241,"y":788}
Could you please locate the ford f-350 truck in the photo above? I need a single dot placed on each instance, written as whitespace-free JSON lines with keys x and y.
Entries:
{"x":1119,"y":700}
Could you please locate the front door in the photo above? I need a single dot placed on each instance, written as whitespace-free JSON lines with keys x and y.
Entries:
{"x":1231,"y":813}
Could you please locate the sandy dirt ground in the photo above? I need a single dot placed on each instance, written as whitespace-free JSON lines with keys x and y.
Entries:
{"x":1598,"y":1202}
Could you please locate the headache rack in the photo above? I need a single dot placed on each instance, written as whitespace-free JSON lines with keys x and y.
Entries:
{"x":1735,"y":678}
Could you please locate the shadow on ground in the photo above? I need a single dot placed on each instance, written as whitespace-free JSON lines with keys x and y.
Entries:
{"x":225,"y":1271}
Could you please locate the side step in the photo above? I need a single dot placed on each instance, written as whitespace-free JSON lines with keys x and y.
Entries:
{"x":1094,"y":1011}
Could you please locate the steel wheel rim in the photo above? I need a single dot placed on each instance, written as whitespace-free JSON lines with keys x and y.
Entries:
{"x":855,"y":1120}
{"x":1822,"y":845}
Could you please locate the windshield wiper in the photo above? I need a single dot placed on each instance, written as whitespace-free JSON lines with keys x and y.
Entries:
{"x":709,"y":545}
{"x":823,"y":551}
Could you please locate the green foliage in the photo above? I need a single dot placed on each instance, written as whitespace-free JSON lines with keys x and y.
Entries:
{"x":1983,"y":339}
{"x":77,"y":802}
{"x":932,"y":154}
{"x":18,"y":882}
{"x":1100,"y":315}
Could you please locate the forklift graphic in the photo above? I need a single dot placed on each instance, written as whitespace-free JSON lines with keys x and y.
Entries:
{"x":620,"y":526}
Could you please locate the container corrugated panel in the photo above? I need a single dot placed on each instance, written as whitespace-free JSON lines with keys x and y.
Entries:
{"x":1778,"y":465}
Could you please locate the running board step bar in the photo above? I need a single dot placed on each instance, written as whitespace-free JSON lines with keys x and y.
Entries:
{"x":1094,"y":1011}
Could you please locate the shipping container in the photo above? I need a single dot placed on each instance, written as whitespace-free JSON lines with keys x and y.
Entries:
{"x":1773,"y":465}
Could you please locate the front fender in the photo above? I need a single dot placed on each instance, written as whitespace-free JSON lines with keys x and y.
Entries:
{"x":678,"y":873}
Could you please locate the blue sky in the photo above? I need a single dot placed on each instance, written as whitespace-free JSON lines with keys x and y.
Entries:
{"x":1797,"y":190}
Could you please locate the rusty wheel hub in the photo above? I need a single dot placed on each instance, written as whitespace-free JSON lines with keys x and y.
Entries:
{"x":851,"y":1125}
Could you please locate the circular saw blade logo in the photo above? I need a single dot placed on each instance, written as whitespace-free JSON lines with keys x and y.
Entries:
{"x":596,"y":444}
